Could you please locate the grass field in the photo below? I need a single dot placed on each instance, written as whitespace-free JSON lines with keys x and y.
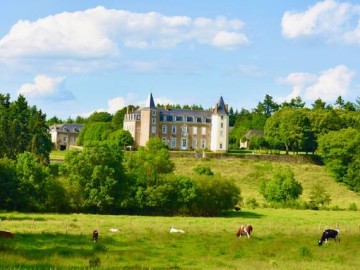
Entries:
{"x":247,"y":174}
{"x":282,"y":239}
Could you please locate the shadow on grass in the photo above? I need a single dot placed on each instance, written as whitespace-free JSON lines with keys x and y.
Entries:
{"x":19,"y":218}
{"x":243,"y":214}
{"x":45,"y":245}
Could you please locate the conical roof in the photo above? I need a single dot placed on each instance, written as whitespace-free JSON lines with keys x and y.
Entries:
{"x":221,"y":107}
{"x":150,"y":102}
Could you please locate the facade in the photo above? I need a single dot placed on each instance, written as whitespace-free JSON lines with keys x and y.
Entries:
{"x":65,"y":136}
{"x":180,"y":129}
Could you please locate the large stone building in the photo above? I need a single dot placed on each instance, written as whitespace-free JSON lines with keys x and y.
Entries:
{"x":180,"y":129}
{"x":65,"y":136}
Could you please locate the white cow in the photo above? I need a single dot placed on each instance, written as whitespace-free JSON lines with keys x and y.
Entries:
{"x":173,"y":230}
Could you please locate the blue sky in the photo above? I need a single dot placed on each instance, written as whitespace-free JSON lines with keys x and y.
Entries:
{"x":75,"y":57}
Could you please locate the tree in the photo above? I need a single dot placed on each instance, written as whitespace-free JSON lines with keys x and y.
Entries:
{"x":23,"y":128}
{"x":97,"y":176}
{"x":149,"y":162}
{"x":319,"y":197}
{"x":319,"y":104}
{"x":94,"y":131}
{"x":289,"y":127}
{"x":340,"y":103}
{"x":32,"y":179}
{"x":282,"y":187}
{"x":338,"y":150}
{"x":213,"y":195}
{"x":295,"y":103}
{"x":118,"y":118}
{"x":8,"y":184}
{"x":267,"y":107}
{"x":122,"y":138}
{"x":99,"y":117}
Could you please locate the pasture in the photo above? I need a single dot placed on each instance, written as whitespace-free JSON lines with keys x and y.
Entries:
{"x":282,"y":239}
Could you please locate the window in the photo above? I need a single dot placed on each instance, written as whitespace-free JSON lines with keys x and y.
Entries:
{"x":183,"y":143}
{"x":208,"y":120}
{"x":203,"y":143}
{"x":164,"y":140}
{"x":184,"y":131}
{"x":222,"y":125}
{"x":179,"y":118}
{"x":162,"y":118}
{"x":198,"y":119}
{"x":194,"y":131}
{"x":169,"y":118}
{"x":203,"y":131}
{"x":65,"y":139}
{"x":221,"y":133}
{"x":153,"y":113}
{"x":153,"y":130}
{"x":189,"y":119}
{"x":222,"y":117}
{"x":173,"y":129}
{"x":153,"y":121}
{"x":164,"y":129}
{"x":194,"y":144}
{"x":173,"y":142}
{"x":221,"y":146}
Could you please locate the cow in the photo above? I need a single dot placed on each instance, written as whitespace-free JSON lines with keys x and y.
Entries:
{"x":173,"y":230}
{"x":6,"y":234}
{"x":95,"y":235}
{"x":244,"y":230}
{"x":329,"y":234}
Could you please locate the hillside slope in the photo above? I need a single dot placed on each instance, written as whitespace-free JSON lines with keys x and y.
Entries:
{"x":248,"y":174}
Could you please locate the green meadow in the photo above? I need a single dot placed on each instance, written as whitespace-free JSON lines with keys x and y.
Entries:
{"x":282,"y":239}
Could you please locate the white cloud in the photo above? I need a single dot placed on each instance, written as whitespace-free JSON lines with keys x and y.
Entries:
{"x":328,"y":85}
{"x":100,"y":32}
{"x":329,"y":19}
{"x":45,"y":87}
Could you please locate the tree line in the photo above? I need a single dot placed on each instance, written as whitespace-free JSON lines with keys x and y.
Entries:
{"x":105,"y":179}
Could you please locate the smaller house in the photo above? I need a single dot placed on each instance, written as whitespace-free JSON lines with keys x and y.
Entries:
{"x":246,"y":140}
{"x":64,"y":136}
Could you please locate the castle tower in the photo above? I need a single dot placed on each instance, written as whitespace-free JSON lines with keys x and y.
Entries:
{"x":220,"y":128}
{"x":149,"y":121}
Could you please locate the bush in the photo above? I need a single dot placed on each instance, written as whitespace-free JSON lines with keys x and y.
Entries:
{"x":252,"y":203}
{"x":203,"y":170}
{"x":282,"y":187}
{"x":352,"y":207}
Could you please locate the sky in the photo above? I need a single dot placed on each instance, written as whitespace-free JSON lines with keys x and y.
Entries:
{"x":71,"y":58}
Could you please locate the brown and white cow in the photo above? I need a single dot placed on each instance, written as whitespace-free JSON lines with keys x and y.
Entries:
{"x":244,"y":230}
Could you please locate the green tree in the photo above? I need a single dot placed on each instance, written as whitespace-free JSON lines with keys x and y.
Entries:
{"x":282,"y":187}
{"x":32,"y":178}
{"x":149,"y":162}
{"x":213,"y":195}
{"x":319,"y":104}
{"x":94,"y":132}
{"x":319,"y":197}
{"x":291,"y":128}
{"x":122,"y":138}
{"x":23,"y":128}
{"x":295,"y":103}
{"x":99,"y":117}
{"x":97,"y":176}
{"x":339,"y":149}
{"x":8,"y":184}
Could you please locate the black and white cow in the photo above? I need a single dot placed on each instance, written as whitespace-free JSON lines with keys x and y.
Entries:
{"x":329,"y":234}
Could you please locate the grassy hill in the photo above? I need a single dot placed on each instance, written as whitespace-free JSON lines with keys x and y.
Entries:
{"x":247,"y":173}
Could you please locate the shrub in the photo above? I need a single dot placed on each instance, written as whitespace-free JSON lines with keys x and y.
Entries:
{"x":203,"y":170}
{"x":282,"y":187}
{"x":252,"y":203}
{"x":352,"y":207}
